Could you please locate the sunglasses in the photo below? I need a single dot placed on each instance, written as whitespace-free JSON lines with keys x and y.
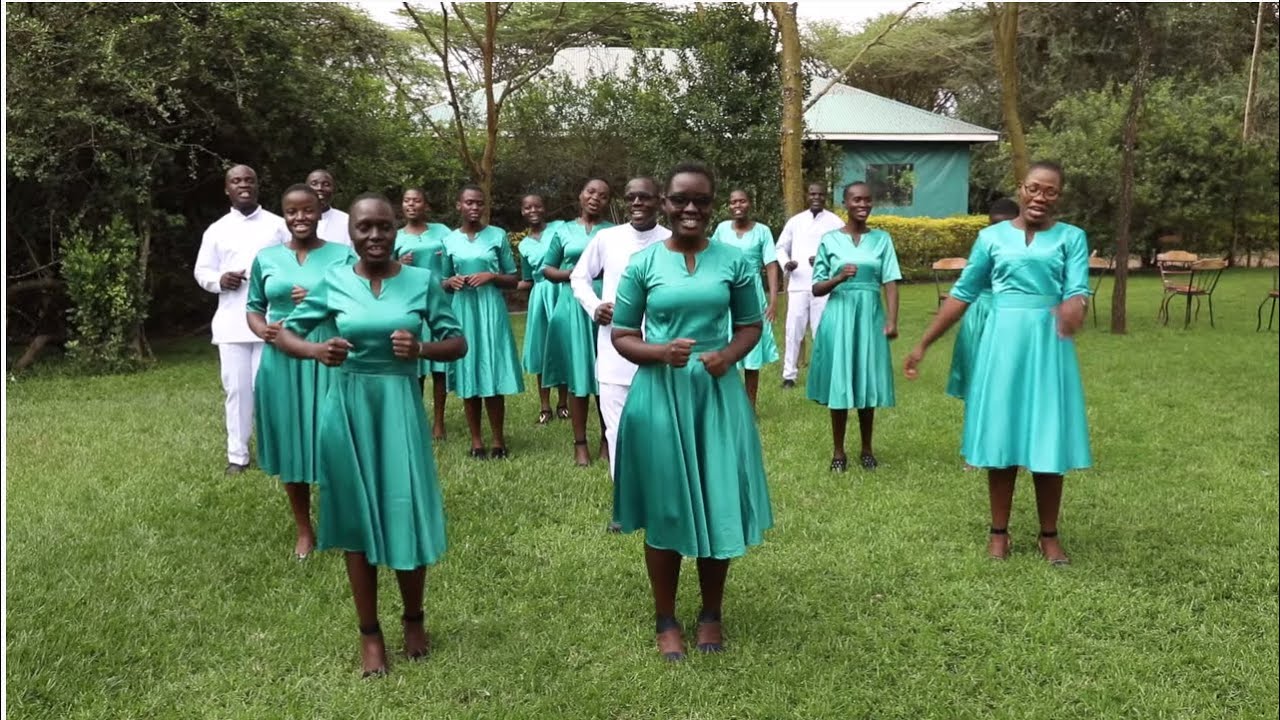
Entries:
{"x":634,"y":196}
{"x":701,"y":202}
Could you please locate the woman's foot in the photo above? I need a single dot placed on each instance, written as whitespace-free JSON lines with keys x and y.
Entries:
{"x":479,"y":453}
{"x":604,"y":450}
{"x":669,"y":639}
{"x":544,"y":416}
{"x":998,"y":544}
{"x":305,"y":545}
{"x":581,"y":457}
{"x":562,"y":412}
{"x":868,"y":460}
{"x":373,"y":652}
{"x":710,"y":633}
{"x":498,"y":453}
{"x":417,"y":641}
{"x":438,"y":434}
{"x":839,"y":463}
{"x":1051,"y":549}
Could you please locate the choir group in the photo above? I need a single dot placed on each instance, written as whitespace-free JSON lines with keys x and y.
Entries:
{"x":329,"y":325}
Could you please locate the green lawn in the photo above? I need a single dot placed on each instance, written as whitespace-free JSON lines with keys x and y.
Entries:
{"x":142,"y":584}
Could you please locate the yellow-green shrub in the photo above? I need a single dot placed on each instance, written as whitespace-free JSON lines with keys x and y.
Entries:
{"x":921,"y":241}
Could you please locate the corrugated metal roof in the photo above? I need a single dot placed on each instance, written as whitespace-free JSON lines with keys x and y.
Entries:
{"x":844,"y":113}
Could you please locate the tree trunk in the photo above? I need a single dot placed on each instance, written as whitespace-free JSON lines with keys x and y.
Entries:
{"x":32,"y":352}
{"x":1124,"y":222}
{"x":487,"y":160}
{"x":1247,"y":130}
{"x":792,"y":107}
{"x":140,"y":345}
{"x":1004,"y":27}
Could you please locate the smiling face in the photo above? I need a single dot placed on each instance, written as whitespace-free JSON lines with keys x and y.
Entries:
{"x":594,"y":196}
{"x":817,"y":196}
{"x":641,"y":196}
{"x":471,"y":206}
{"x":739,"y":205}
{"x":533,"y":210}
{"x":301,"y":214}
{"x":414,"y":206}
{"x":241,"y":187}
{"x":1039,"y":194}
{"x":688,"y":205}
{"x":322,"y":182}
{"x":857,"y":202}
{"x":373,"y":231}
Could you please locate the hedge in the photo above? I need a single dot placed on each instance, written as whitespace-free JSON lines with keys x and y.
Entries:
{"x":921,"y":241}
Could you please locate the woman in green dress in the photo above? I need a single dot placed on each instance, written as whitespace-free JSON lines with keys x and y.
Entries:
{"x":755,"y":240}
{"x":851,"y":367}
{"x":975,"y":318}
{"x":478,"y":265}
{"x":1024,"y":406}
{"x":379,"y":499}
{"x":704,"y":495}
{"x":287,"y":390}
{"x":421,"y":244}
{"x":570,"y":354}
{"x":542,"y":298}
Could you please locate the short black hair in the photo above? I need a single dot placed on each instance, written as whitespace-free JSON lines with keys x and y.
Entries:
{"x":1050,"y":166}
{"x":692,"y":167}
{"x":1004,"y":207}
{"x":299,"y":187}
{"x":646,"y":178}
{"x":595,"y":178}
{"x":472,"y":186}
{"x":528,"y":195}
{"x":370,"y":196}
{"x":852,"y":185}
{"x":416,"y":189}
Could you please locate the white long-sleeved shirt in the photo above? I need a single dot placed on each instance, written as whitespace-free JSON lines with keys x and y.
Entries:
{"x":799,"y":241}
{"x":231,"y":244}
{"x":609,"y":253}
{"x":333,"y":227}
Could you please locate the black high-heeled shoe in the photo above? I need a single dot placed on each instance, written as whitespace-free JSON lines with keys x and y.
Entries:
{"x":370,"y":631}
{"x":417,"y":618}
{"x":1059,"y":561}
{"x":544,"y":416}
{"x":707,"y":617}
{"x":498,"y":453}
{"x":479,"y":453}
{"x":839,"y":464}
{"x":998,"y":532}
{"x":562,"y":412}
{"x":663,"y":624}
{"x":868,"y":461}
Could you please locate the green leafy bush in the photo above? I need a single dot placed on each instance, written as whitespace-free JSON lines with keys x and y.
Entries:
{"x":921,"y":241}
{"x":107,"y":296}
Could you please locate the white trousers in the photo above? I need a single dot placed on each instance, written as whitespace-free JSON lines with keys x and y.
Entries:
{"x":803,"y":311}
{"x":239,"y":366}
{"x":612,"y":398}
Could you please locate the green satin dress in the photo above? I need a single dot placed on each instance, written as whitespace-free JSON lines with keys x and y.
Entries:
{"x":542,"y":297}
{"x":964,"y":352}
{"x":1025,"y":402}
{"x":428,"y":252}
{"x":757,"y":245}
{"x":491,"y":366}
{"x":378,"y":490}
{"x":287,"y":390}
{"x":689,"y":467}
{"x":570,"y":354}
{"x":851,"y":366}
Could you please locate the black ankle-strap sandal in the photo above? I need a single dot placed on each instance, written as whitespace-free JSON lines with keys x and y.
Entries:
{"x":999,"y":531}
{"x":417,"y":618}
{"x":370,"y":631}
{"x":1056,"y":562}
{"x":662,"y":624}
{"x":706,"y":617}
{"x":839,"y":464}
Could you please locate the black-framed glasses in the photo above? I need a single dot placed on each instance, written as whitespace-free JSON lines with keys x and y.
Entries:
{"x":702,"y":202}
{"x":634,"y":196}
{"x":1048,"y":193}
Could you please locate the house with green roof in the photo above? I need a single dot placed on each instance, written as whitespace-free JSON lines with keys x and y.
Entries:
{"x":916,"y":161}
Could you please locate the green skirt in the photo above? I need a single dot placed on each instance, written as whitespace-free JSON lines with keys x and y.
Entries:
{"x":965,"y":350}
{"x":570,"y":354}
{"x":491,"y":366}
{"x":851,"y":366}
{"x":542,"y":301}
{"x":689,"y":469}
{"x":286,"y":394}
{"x":765,"y":351}
{"x":378,"y":489}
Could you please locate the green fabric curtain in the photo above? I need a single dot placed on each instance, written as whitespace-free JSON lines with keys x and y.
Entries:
{"x":911,"y":179}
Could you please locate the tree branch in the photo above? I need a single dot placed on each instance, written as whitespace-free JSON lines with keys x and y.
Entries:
{"x":853,"y":63}
{"x":442,"y":51}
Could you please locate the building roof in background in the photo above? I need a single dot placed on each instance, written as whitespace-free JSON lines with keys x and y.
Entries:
{"x":844,"y":113}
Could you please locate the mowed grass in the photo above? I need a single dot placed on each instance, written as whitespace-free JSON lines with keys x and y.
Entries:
{"x":143,"y":584}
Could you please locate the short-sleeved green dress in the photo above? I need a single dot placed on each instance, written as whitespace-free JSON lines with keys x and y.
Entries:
{"x":570,"y":354}
{"x":491,"y":366}
{"x":287,"y":390}
{"x":689,"y":468}
{"x":757,"y":245}
{"x":1025,"y":401}
{"x":378,"y":490}
{"x":428,"y":252}
{"x":851,"y":366}
{"x":965,"y":350}
{"x":542,"y":296}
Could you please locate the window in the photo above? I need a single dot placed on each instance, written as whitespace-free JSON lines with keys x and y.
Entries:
{"x":892,"y":184}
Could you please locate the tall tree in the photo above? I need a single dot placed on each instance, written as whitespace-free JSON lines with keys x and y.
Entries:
{"x":1140,"y":22}
{"x":1247,"y":129}
{"x":1004,"y":28}
{"x":790,"y":141}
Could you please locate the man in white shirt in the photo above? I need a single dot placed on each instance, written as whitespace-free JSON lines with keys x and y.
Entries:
{"x":797,"y":246}
{"x":608,"y":253}
{"x":222,"y":267}
{"x":333,"y":222}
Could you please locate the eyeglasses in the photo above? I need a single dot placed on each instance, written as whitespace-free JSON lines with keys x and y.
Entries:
{"x":1048,"y":193}
{"x":634,"y":196}
{"x":702,"y":202}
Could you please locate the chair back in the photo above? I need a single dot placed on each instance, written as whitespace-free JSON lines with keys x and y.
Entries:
{"x":1175,"y":268}
{"x":950,"y":268}
{"x":1205,"y":274}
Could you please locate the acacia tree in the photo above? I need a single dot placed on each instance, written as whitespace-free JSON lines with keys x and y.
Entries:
{"x":1124,"y":219}
{"x":1004,"y":30}
{"x":784,"y":15}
